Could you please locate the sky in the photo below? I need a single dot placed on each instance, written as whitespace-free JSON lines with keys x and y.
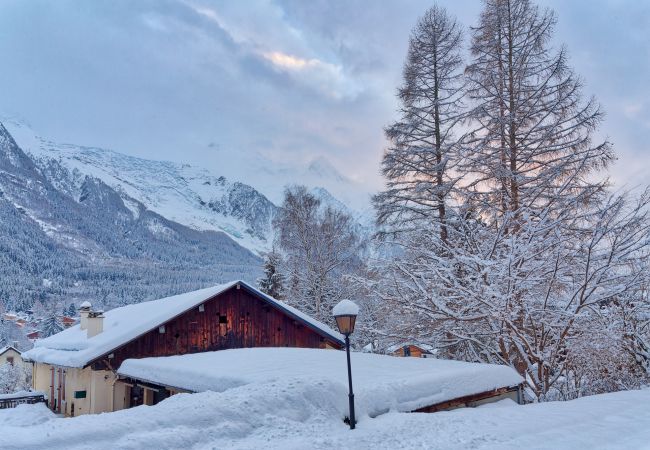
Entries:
{"x":287,"y":90}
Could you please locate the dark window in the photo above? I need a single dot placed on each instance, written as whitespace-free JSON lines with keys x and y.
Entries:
{"x":136,"y":396}
{"x":223,"y":325}
{"x":79,"y":394}
{"x":10,"y":360}
{"x":407,"y":350}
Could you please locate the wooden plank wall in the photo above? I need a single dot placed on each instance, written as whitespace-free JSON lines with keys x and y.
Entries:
{"x":233,"y":319}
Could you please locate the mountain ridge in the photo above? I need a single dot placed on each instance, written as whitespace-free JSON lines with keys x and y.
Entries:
{"x":189,"y":195}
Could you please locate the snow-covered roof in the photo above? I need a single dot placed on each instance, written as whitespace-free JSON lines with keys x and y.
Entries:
{"x":72,"y":347}
{"x":7,"y":348}
{"x":381,"y":382}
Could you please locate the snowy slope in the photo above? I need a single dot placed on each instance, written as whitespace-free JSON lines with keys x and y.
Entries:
{"x":65,"y":235}
{"x":287,"y":415}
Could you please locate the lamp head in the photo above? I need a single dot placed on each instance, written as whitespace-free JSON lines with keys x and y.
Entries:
{"x":345,"y":313}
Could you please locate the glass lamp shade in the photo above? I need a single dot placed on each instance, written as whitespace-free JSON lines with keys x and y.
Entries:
{"x":346,"y":323}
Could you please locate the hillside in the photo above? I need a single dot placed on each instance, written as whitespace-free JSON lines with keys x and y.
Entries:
{"x":66,"y":236}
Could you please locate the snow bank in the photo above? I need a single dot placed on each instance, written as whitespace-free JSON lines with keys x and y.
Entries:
{"x":19,"y":394}
{"x":381,"y":383}
{"x":287,"y":415}
{"x":72,"y":347}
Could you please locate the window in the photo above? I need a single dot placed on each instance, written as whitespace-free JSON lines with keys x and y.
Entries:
{"x":223,"y":325}
{"x":407,"y":350}
{"x":10,"y":360}
{"x":79,"y":394}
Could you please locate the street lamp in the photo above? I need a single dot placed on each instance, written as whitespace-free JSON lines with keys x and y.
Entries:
{"x":345,"y":313}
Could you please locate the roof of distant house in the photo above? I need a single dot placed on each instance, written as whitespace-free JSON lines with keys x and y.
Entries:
{"x":6,"y":348}
{"x":73,"y":348}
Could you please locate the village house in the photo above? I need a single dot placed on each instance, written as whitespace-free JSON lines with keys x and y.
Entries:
{"x":77,"y":368}
{"x":413,"y":350}
{"x":11,"y":355}
{"x":33,"y":335}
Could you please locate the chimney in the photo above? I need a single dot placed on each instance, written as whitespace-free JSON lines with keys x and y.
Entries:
{"x":95,"y":323}
{"x":15,"y":345}
{"x":84,"y":310}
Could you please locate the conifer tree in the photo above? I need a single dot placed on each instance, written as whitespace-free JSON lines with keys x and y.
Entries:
{"x":531,"y":149}
{"x":51,"y":324}
{"x":272,"y":283}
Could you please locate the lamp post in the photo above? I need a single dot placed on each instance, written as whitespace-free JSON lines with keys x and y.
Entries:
{"x":345,"y":313}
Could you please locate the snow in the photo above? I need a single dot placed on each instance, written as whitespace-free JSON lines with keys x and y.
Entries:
{"x":86,"y":304}
{"x":20,"y":394}
{"x":345,"y":308}
{"x":290,"y":415}
{"x":73,"y":348}
{"x":381,"y":382}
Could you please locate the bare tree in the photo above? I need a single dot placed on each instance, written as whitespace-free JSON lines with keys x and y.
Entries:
{"x":319,"y":246}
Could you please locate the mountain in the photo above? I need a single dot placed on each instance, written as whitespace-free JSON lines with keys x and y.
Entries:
{"x":182,"y":193}
{"x":66,"y":235}
{"x":191,"y":196}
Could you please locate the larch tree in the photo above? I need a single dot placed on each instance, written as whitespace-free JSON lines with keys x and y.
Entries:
{"x":531,"y":148}
{"x":423,"y":152}
{"x":415,"y":212}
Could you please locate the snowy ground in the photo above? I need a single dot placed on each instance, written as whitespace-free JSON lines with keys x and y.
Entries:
{"x":286,"y":415}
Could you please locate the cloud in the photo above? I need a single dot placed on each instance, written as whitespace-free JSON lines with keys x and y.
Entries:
{"x":327,"y":78}
{"x":632,"y":110}
{"x":267,"y":36}
{"x":289,"y":62}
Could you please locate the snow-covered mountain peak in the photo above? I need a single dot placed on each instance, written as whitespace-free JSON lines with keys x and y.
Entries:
{"x":190,"y":195}
{"x":183,"y":193}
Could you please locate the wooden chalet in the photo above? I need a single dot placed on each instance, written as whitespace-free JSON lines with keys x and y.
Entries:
{"x":411,"y":350}
{"x":77,"y":367}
